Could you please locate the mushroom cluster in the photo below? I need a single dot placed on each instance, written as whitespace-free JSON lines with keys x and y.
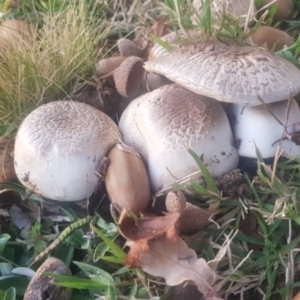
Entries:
{"x":256,"y":83}
{"x":221,"y":100}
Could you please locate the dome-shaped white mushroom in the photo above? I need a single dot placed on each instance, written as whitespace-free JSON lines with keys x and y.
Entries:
{"x":164,"y":123}
{"x":59,"y":148}
{"x":230,"y":73}
{"x":256,"y":126}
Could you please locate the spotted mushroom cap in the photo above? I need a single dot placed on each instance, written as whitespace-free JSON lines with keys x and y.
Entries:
{"x":59,"y":148}
{"x":163,"y":124}
{"x":233,"y":74}
{"x":175,"y":40}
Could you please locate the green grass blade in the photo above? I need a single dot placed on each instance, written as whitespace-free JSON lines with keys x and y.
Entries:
{"x":114,"y":248}
{"x":211,"y":186}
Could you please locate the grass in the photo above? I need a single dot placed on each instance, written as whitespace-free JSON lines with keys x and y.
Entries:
{"x":47,"y":65}
{"x":254,"y":241}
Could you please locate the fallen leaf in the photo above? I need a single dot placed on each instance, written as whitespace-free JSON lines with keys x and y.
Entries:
{"x":147,"y":227}
{"x":159,"y":251}
{"x":192,"y":218}
{"x":176,"y":263}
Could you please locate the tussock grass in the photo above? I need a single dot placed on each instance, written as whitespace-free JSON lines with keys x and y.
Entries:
{"x":47,"y":65}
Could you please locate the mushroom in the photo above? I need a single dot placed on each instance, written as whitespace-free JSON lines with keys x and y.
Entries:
{"x":132,"y":48}
{"x":230,"y":73}
{"x":59,"y":149}
{"x":128,"y":76}
{"x":163,"y":124}
{"x":273,"y":38}
{"x":238,"y":9}
{"x":265,"y":127}
{"x":107,"y":65}
{"x":125,"y":72}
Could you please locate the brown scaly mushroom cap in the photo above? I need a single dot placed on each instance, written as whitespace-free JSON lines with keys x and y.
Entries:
{"x":126,"y":73}
{"x":59,"y":149}
{"x":163,"y":124}
{"x":233,"y":74}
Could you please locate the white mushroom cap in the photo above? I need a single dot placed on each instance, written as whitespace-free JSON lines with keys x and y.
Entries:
{"x":236,"y":8}
{"x":177,"y":39}
{"x":164,"y":123}
{"x":257,"y":126}
{"x":59,"y":148}
{"x":230,"y":73}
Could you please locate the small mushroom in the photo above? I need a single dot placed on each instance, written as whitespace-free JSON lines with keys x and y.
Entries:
{"x":192,"y":217}
{"x":128,"y":76}
{"x":59,"y":149}
{"x":230,"y":73}
{"x":43,"y":287}
{"x":163,"y":124}
{"x":265,"y":127}
{"x":238,"y":9}
{"x":273,"y":38}
{"x":126,"y":73}
{"x":13,"y":31}
{"x":108,"y":65}
{"x":132,"y":48}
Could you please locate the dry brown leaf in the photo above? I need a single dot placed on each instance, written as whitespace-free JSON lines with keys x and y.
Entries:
{"x":159,"y":251}
{"x":139,"y":231}
{"x":148,"y":227}
{"x":176,"y":263}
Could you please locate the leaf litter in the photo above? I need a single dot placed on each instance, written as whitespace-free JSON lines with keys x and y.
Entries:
{"x":156,"y":247}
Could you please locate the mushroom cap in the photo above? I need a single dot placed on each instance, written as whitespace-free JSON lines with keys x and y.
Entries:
{"x":128,"y":76}
{"x":108,"y":65}
{"x":163,"y":124}
{"x":236,"y":8}
{"x":59,"y":148}
{"x":233,"y":74}
{"x":256,"y":127}
{"x":175,"y":40}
